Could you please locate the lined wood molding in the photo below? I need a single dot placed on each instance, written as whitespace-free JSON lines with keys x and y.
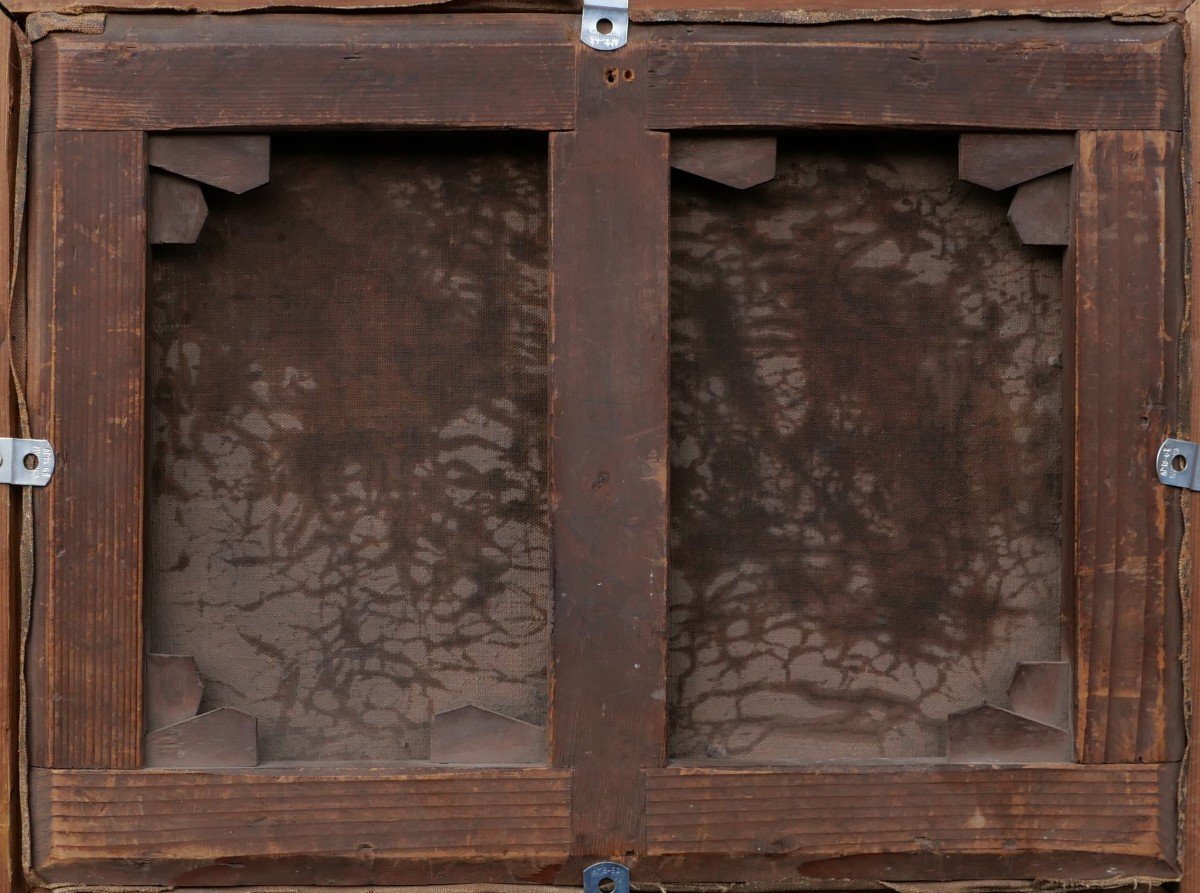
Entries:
{"x":918,"y":822}
{"x":162,"y":72}
{"x":87,"y":275}
{"x":777,"y":12}
{"x":349,"y":826}
{"x":10,"y":497}
{"x":1126,"y":276}
{"x":1190,"y":818}
{"x":609,"y":190}
{"x":764,"y":11}
{"x":1027,"y":75}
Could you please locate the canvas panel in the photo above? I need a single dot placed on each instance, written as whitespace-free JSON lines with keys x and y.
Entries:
{"x":866,"y":435}
{"x":347,"y":508}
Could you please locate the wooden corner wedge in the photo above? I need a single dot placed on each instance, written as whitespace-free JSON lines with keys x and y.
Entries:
{"x":223,"y":738}
{"x":177,"y":210}
{"x":990,"y":734}
{"x":1041,"y":691}
{"x":173,"y":689}
{"x":1001,"y":160}
{"x":1041,"y":210}
{"x":471,"y":734}
{"x":737,"y":161}
{"x":236,"y":163}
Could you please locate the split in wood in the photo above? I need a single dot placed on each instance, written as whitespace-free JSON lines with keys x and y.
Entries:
{"x":737,"y":161}
{"x":1033,"y":730}
{"x":472,"y":734}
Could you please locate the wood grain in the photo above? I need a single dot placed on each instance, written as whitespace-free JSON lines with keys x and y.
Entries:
{"x":176,"y":208}
{"x":793,"y":12}
{"x":234,"y":162}
{"x":608,"y":413}
{"x":86,"y":379}
{"x":762,"y":11}
{"x":221,"y":738}
{"x":1021,"y":75}
{"x":737,"y":161}
{"x":1041,"y":690}
{"x":1189,"y":839}
{"x":988,"y":734}
{"x":160,"y":72}
{"x":923,"y":822}
{"x":1002,"y":160}
{"x":472,"y":734}
{"x":10,"y":498}
{"x":173,"y":690}
{"x":349,"y":826}
{"x":1041,"y":210}
{"x":1126,"y":277}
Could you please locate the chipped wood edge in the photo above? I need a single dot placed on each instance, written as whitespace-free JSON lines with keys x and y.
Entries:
{"x":658,"y":11}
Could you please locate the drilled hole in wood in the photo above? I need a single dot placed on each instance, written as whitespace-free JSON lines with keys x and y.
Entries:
{"x":611,"y":75}
{"x":629,"y":75}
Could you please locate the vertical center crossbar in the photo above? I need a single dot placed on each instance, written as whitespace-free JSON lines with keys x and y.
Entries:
{"x":608,"y":416}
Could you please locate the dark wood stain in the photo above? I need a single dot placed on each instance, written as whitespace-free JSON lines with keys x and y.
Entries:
{"x":1042,"y":75}
{"x":1128,"y":294}
{"x":608,"y":379}
{"x":87,"y":396}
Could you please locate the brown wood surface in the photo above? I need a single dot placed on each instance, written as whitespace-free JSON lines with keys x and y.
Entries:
{"x":1041,"y":690}
{"x":159,"y":72}
{"x":609,"y":186}
{"x":87,"y":274}
{"x":910,"y":823}
{"x":1126,"y":277}
{"x":737,"y":161}
{"x":765,"y":11}
{"x":988,"y":734}
{"x":173,"y":690}
{"x":1001,"y":160}
{"x":472,"y":734}
{"x":1020,"y":75}
{"x":349,"y":826}
{"x":1041,"y":210}
{"x":221,"y":738}
{"x":1189,"y":839}
{"x":233,"y":162}
{"x":176,"y":210}
{"x":10,"y":498}
{"x":790,"y":11}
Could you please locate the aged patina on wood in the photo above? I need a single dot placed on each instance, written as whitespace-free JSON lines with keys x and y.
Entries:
{"x":609,"y":790}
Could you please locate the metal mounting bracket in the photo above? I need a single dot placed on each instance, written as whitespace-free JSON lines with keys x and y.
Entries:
{"x":606,"y":877}
{"x":1177,"y":463}
{"x":605,"y":25}
{"x":26,"y":463}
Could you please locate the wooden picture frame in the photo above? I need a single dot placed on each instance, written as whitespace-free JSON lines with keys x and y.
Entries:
{"x":608,"y":790}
